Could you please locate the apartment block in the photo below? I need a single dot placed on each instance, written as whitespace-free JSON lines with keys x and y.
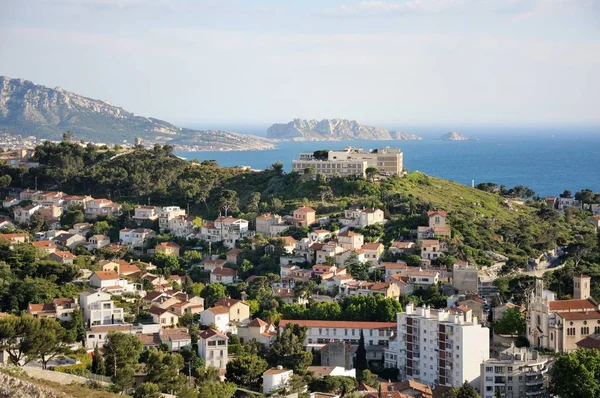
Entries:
{"x":441,"y":347}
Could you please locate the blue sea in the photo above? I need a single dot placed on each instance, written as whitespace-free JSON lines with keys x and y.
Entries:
{"x":548,"y":163}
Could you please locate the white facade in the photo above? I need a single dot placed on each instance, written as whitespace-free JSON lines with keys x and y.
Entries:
{"x":212,"y":347}
{"x":439,"y":347}
{"x":276,"y":379}
{"x":99,"y":309}
{"x":217,"y":316}
{"x":167,"y":213}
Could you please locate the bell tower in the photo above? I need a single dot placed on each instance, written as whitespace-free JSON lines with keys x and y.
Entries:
{"x":581,"y":287}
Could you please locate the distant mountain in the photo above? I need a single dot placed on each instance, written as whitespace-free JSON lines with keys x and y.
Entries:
{"x":454,"y":136}
{"x":30,"y":109}
{"x":332,"y":130}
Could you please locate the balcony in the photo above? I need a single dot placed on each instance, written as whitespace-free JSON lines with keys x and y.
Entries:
{"x":534,"y":381}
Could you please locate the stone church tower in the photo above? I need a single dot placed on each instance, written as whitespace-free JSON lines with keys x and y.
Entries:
{"x":581,"y":287}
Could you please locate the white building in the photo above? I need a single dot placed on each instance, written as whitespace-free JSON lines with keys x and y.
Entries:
{"x":264,"y":222}
{"x":96,"y":335}
{"x":166,"y":214}
{"x":22,"y":215}
{"x":212,"y":347}
{"x":276,"y":379}
{"x":145,"y":213}
{"x":102,"y":207}
{"x":99,"y":309}
{"x":362,"y":217}
{"x":440,"y":347}
{"x":216,"y":316}
{"x":228,"y":230}
{"x":135,"y":237}
{"x":516,"y":373}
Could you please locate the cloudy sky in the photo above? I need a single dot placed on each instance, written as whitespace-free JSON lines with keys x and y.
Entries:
{"x":400,"y":62}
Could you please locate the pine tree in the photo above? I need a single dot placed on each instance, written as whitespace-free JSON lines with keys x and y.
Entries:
{"x":98,"y":363}
{"x":361,"y":355}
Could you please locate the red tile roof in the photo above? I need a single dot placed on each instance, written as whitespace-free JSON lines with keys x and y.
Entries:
{"x":306,"y":209}
{"x":439,"y":212}
{"x":591,"y":342}
{"x":371,"y":246}
{"x":572,"y":305}
{"x":106,"y":275}
{"x":579,"y":316}
{"x":219,"y":310}
{"x":208,"y":333}
{"x":400,"y":265}
{"x":224,"y":271}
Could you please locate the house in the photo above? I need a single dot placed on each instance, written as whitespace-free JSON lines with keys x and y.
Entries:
{"x":402,"y":247}
{"x":51,"y":212}
{"x":265,"y":221}
{"x":422,"y":278}
{"x":184,"y":226}
{"x":70,"y":201}
{"x":430,"y":249}
{"x":385,"y":289}
{"x":212,"y":347}
{"x":163,"y":317}
{"x":289,"y":243}
{"x":437,"y":217}
{"x":373,"y":252}
{"x":194,"y":306}
{"x":325,"y":251}
{"x":46,"y":246}
{"x":239,"y":311}
{"x":135,"y":237}
{"x":304,"y":216}
{"x":223,"y":275}
{"x":96,"y":242}
{"x":70,"y":241}
{"x":155,"y":298}
{"x":166,"y":214}
{"x":99,"y":309}
{"x":232,"y":256}
{"x":22,"y":215}
{"x":103,"y":279}
{"x":228,"y":230}
{"x":145,"y":213}
{"x":390,"y":269}
{"x":96,"y":335}
{"x":102,"y":207}
{"x":81,"y":228}
{"x":62,"y":257}
{"x":327,"y":371}
{"x":167,"y":249}
{"x":318,"y":235}
{"x":275,"y":379}
{"x":210,"y":264}
{"x":10,"y":201}
{"x":48,"y":198}
{"x":259,"y":330}
{"x":20,"y":237}
{"x":337,"y":353}
{"x":217,"y":316}
{"x":60,"y":309}
{"x":6,"y":222}
{"x":175,"y":338}
{"x":350,"y":240}
{"x":402,"y":282}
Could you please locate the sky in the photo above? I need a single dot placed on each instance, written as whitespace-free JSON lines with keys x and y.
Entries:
{"x":395,"y":62}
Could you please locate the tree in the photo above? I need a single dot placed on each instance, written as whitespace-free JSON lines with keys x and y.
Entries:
{"x":246,"y":370}
{"x":585,"y":196}
{"x":98,"y":363}
{"x":371,"y":172}
{"x":68,"y":136}
{"x":361,"y":354}
{"x":77,"y":325}
{"x":191,"y":257}
{"x":321,"y":154}
{"x":276,"y":205}
{"x":23,"y":339}
{"x":332,"y":384}
{"x":147,"y":390}
{"x":228,"y":201}
{"x":121,"y":350}
{"x":576,"y":374}
{"x":5,"y":181}
{"x":288,"y":348}
{"x":50,"y":340}
{"x":123,"y":378}
{"x":511,"y":322}
{"x":253,"y":203}
{"x":465,"y":391}
{"x":163,"y":369}
{"x":215,"y":389}
{"x":369,"y":378}
{"x":566,"y":194}
{"x":71,"y":217}
{"x":213,"y":293}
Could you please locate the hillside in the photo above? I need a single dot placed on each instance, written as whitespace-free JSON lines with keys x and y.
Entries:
{"x":31,"y":109}
{"x":332,"y":130}
{"x":454,"y":136}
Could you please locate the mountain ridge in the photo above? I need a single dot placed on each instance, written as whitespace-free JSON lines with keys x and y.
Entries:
{"x":332,"y":130}
{"x":31,"y":109}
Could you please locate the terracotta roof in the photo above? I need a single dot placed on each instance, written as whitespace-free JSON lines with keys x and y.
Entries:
{"x":217,"y":262}
{"x":43,"y":243}
{"x":287,"y":239}
{"x":157,"y":311}
{"x":64,"y":254}
{"x":275,"y":371}
{"x":174,"y":334}
{"x":228,"y":302}
{"x":168,"y":244}
{"x":380,"y":286}
{"x":149,"y":339}
{"x":400,"y":265}
{"x":219,"y":310}
{"x":43,"y":307}
{"x":579,"y":316}
{"x":567,"y":305}
{"x":349,"y":233}
{"x":365,"y":388}
{"x":106,"y":275}
{"x":224,"y":271}
{"x":63,"y":300}
{"x":208,"y":333}
{"x":439,"y":212}
{"x":234,"y":252}
{"x":306,"y":209}
{"x":152,"y":296}
{"x":321,"y":231}
{"x":108,"y":328}
{"x":14,"y":236}
{"x":429,"y":242}
{"x":371,"y":246}
{"x":339,"y":324}
{"x":257,"y":323}
{"x":403,"y":245}
{"x":128,"y":268}
{"x":591,"y":342}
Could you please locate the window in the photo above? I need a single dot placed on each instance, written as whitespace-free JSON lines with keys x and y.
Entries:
{"x":489,"y":369}
{"x":509,"y":369}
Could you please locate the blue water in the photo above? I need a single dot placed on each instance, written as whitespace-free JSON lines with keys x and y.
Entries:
{"x":546,"y":163}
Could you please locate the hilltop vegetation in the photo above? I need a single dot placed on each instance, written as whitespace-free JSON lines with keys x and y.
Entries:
{"x":481,"y":221}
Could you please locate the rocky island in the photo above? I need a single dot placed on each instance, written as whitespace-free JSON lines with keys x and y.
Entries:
{"x":333,"y":130}
{"x":30,"y":109}
{"x":454,"y":136}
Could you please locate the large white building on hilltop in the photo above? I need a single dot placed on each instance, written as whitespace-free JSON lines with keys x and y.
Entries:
{"x":440,"y":347}
{"x":352,"y":162}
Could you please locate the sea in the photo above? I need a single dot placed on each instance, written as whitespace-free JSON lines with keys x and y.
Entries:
{"x":546,"y":162}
